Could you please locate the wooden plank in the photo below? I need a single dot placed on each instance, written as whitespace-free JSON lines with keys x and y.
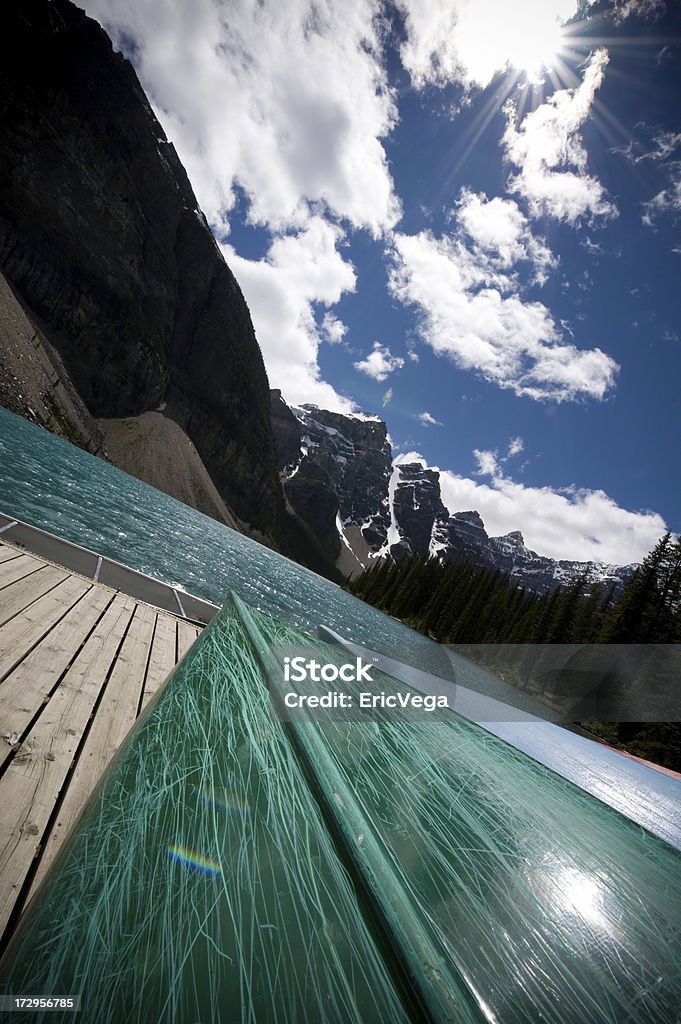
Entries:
{"x":30,"y":787}
{"x":186,"y":635}
{"x":7,"y":553}
{"x":20,"y":635}
{"x":162,"y":657}
{"x":115,"y":716}
{"x":17,"y":568}
{"x":14,"y":598}
{"x":24,"y":691}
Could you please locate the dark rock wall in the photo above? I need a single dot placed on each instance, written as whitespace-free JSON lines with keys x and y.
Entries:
{"x":314,"y":498}
{"x":356,"y":455}
{"x":101,"y":236}
{"x":417,"y":504}
{"x":464,"y":535}
{"x":287,"y":432}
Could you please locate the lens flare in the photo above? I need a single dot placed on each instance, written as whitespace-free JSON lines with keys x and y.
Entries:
{"x":193,"y":860}
{"x":221,"y":799}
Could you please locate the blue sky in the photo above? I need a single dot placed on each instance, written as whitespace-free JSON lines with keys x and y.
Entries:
{"x":461,"y":215}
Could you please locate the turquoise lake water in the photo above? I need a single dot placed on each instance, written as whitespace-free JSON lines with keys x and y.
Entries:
{"x":52,"y":484}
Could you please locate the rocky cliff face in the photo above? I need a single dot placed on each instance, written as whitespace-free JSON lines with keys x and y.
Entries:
{"x":340,"y":477}
{"x":417,"y":506}
{"x":33,"y":379}
{"x":356,"y":454}
{"x":543,"y":574}
{"x":102,"y":239}
{"x":352,"y":461}
{"x":462,"y":534}
{"x":287,"y":433}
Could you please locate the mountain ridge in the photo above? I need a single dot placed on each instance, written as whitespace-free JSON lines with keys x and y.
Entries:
{"x":384,"y":507}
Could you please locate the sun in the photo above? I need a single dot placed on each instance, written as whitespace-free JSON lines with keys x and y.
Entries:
{"x":534,"y":51}
{"x":526,"y":36}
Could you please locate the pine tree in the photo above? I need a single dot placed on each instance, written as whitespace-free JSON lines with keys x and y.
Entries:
{"x":569,"y":603}
{"x":644,"y":610}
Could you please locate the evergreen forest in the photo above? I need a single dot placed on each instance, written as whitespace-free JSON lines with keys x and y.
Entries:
{"x":458,"y":603}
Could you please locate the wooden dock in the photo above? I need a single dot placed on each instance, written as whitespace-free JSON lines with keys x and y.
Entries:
{"x":78,"y":662}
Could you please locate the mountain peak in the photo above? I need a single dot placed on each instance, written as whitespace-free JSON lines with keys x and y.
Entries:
{"x":473,"y":518}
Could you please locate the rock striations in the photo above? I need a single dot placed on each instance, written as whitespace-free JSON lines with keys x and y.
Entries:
{"x":339,"y":476}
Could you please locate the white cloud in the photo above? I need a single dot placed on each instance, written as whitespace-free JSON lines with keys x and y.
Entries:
{"x":498,"y":228}
{"x":411,"y":456}
{"x":490,"y":462}
{"x":663,"y":144}
{"x":387,"y":397}
{"x":658,"y":146}
{"x":548,"y":149}
{"x":576,"y":524}
{"x":570,"y":523}
{"x":666,"y":143}
{"x":648,"y":9}
{"x":333,"y":329}
{"x":427,"y":420}
{"x":281,"y":290}
{"x":379,"y":363}
{"x":487,"y":462}
{"x":666,"y":202}
{"x":468,"y":41}
{"x":288,"y":100}
{"x":471,"y":312}
{"x":593,"y":248}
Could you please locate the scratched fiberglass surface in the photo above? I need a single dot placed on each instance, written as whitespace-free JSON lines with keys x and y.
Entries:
{"x":233,"y":868}
{"x":201,"y":884}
